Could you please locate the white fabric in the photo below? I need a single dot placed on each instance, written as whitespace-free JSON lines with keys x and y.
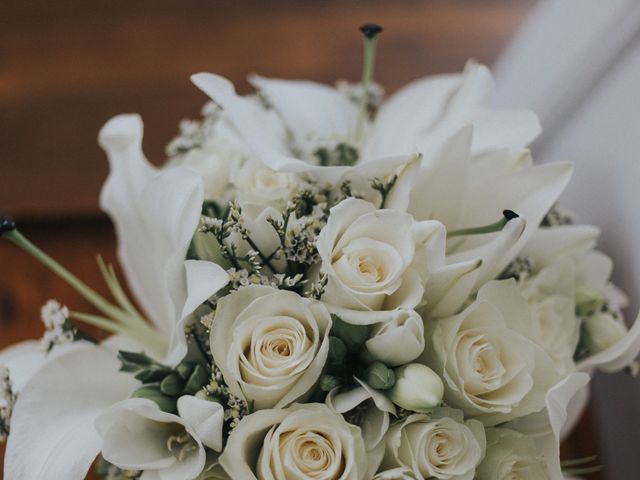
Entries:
{"x":576,"y":63}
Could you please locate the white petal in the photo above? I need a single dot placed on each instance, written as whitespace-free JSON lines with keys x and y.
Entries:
{"x":311,"y":111}
{"x":203,"y":280}
{"x":155,"y":215}
{"x":546,"y":245}
{"x":23,"y":360}
{"x":52,"y":431}
{"x":619,"y":355}
{"x":262,"y":132}
{"x":205,"y":418}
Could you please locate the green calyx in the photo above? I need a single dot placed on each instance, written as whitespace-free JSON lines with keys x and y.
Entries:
{"x":353,"y":336}
{"x":379,"y":376}
{"x":162,"y":384}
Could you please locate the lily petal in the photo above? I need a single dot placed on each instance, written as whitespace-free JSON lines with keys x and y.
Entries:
{"x":619,"y":355}
{"x":155,"y":215}
{"x":313,"y":113}
{"x":52,"y":432}
{"x":203,"y":280}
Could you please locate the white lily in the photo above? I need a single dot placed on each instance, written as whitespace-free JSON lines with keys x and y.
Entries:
{"x":137,"y":435}
{"x":52,"y":432}
{"x":306,"y":116}
{"x":547,"y":426}
{"x":156,"y":214}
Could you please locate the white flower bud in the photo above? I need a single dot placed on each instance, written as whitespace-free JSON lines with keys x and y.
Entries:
{"x":417,"y":388}
{"x":603,"y":331}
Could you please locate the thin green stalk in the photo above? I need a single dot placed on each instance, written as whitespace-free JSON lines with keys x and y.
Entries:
{"x":370,"y":32}
{"x":491,"y":228}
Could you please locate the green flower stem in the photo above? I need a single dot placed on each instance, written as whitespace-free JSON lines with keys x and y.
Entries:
{"x":491,"y":228}
{"x":127,"y":323}
{"x":370,"y":41}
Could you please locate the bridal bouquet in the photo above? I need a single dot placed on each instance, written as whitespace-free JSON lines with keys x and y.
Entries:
{"x":327,"y":286}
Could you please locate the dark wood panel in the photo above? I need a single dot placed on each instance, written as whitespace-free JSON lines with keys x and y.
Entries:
{"x":66,"y":67}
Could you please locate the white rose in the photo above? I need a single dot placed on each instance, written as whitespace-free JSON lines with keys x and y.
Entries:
{"x":511,"y":455}
{"x":440,"y":448}
{"x":269,"y":344}
{"x":398,"y":340}
{"x":258,"y":184}
{"x":303,"y":441}
{"x":555,"y":327}
{"x":603,"y":331}
{"x":491,"y":370}
{"x":369,"y":256}
{"x":213,"y":167}
{"x":137,"y":435}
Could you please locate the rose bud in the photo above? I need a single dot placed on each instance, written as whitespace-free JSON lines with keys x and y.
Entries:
{"x":417,"y":388}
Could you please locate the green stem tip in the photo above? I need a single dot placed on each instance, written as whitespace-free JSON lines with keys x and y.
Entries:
{"x":370,"y":30}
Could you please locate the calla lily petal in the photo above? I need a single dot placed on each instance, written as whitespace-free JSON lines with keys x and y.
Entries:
{"x":23,"y":360}
{"x":619,"y":355}
{"x":261,"y":129}
{"x":311,"y":111}
{"x":206,"y":418}
{"x":52,"y":432}
{"x":155,"y":215}
{"x":203,"y":280}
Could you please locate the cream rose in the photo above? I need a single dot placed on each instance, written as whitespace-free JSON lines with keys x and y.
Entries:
{"x":370,"y":257}
{"x":555,"y":327}
{"x":511,"y":455}
{"x":397,"y":341}
{"x":270,"y":345}
{"x":435,"y":448}
{"x":256,"y":183}
{"x":304,"y":441}
{"x":491,"y":369}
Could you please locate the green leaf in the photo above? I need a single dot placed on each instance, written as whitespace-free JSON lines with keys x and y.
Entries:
{"x":353,"y":336}
{"x":198,"y":379}
{"x":153,"y":393}
{"x":172,"y":385}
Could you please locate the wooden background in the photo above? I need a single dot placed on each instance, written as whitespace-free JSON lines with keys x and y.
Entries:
{"x":67,"y":66}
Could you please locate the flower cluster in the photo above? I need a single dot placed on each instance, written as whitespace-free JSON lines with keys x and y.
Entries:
{"x":338,"y":287}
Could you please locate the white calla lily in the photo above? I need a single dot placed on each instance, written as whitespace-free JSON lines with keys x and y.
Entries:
{"x":137,"y":435}
{"x":52,"y":432}
{"x":155,"y":215}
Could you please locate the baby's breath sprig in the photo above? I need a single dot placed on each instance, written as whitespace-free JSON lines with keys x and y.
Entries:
{"x":383,"y":187}
{"x":317,"y":288}
{"x":557,"y":216}
{"x":7,"y":401}
{"x":234,"y":407}
{"x":520,"y":269}
{"x":222,"y":228}
{"x":58,"y":328}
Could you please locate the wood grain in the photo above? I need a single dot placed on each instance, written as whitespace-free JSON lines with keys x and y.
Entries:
{"x":67,"y":66}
